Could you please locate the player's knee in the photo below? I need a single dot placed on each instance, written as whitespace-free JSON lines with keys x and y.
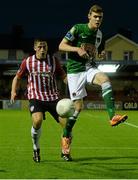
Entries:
{"x":37,"y":124}
{"x":79,"y":105}
{"x":101,"y":78}
{"x":37,"y":120}
{"x":62,"y":122}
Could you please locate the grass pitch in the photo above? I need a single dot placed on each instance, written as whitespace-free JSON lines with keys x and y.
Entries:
{"x":99,"y":151}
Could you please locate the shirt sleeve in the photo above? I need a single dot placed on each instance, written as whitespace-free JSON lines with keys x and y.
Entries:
{"x":22,"y":70}
{"x":70,"y":36}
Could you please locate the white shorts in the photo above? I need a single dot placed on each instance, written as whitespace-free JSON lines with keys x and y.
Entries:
{"x":78,"y":81}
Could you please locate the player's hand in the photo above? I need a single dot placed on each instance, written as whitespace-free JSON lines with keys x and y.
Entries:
{"x":65,"y":80}
{"x":90,"y":49}
{"x":13,"y":96}
{"x":82,"y":53}
{"x":102,"y":55}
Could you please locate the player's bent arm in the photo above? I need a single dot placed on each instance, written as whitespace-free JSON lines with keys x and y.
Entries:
{"x":15,"y":82}
{"x":65,"y":46}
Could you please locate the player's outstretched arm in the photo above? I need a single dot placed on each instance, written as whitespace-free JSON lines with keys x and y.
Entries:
{"x":14,"y":88}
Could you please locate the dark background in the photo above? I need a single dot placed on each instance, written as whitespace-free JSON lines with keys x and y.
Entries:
{"x":52,"y":18}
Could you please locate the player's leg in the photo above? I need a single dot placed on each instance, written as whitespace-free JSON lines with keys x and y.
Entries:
{"x":37,"y":118}
{"x":51,"y":108}
{"x":107,"y":93}
{"x":36,"y":133}
{"x":77,"y":91}
{"x":76,"y":84}
{"x":102,"y":79}
{"x":67,"y":132}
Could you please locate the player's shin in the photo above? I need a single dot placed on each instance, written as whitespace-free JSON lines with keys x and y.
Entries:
{"x":70,"y":124}
{"x":35,"y":133}
{"x":109,"y":101}
{"x":108,"y":98}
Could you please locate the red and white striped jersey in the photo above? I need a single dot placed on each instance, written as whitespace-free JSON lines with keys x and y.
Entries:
{"x":41,"y":77}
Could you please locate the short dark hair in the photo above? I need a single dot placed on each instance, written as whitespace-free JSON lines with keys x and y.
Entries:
{"x":96,"y":8}
{"x":39,"y":40}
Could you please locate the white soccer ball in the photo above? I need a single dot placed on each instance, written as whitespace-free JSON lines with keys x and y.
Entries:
{"x":65,"y":107}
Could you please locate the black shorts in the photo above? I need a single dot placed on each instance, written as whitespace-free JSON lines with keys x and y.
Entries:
{"x":43,"y":106}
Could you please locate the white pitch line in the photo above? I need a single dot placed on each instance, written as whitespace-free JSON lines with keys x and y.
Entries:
{"x":130,"y":124}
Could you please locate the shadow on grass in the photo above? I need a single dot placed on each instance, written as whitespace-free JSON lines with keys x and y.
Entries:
{"x":110,"y":163}
{"x":89,"y":167}
{"x":98,"y":160}
{"x":106,"y":159}
{"x":2,"y":171}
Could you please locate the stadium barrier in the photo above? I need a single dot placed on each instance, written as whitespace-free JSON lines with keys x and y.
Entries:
{"x":18,"y":104}
{"x":130,"y":105}
{"x":96,"y":105}
{"x":100,"y":105}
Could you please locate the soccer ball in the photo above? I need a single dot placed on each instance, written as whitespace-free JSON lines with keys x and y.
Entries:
{"x":65,"y":107}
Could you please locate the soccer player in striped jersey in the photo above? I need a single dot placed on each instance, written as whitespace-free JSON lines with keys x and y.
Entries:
{"x":83,"y":42}
{"x":41,"y":70}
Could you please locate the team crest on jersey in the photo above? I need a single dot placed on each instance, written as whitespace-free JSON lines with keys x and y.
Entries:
{"x":31,"y":108}
{"x":74,"y":94}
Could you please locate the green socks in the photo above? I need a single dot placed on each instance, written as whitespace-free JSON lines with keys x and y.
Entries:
{"x":108,"y":98}
{"x":68,"y":129}
{"x":70,"y":123}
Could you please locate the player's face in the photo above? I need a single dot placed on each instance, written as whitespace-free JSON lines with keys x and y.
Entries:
{"x":41,"y":49}
{"x":95,"y":20}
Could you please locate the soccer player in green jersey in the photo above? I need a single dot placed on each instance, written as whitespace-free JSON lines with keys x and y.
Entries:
{"x":84,"y":42}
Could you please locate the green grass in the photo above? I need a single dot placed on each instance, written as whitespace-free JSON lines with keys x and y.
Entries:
{"x":99,"y":150}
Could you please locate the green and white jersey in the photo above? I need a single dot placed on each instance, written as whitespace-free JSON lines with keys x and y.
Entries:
{"x":78,"y":35}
